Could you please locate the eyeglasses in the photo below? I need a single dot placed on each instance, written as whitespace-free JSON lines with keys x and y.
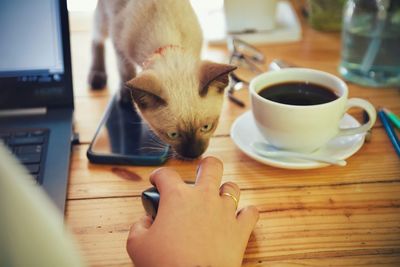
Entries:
{"x":249,"y":61}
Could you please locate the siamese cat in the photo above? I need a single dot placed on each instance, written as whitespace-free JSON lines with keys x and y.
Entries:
{"x":177,"y":94}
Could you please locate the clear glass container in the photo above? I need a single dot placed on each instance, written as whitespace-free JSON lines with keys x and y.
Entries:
{"x":371,"y":42}
{"x":325,"y":15}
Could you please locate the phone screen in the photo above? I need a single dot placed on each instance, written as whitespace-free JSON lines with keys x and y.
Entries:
{"x":124,"y":138}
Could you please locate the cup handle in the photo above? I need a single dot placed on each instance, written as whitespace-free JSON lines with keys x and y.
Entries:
{"x":368,"y":107}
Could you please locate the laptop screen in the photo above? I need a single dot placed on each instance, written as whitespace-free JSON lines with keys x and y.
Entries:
{"x":34,"y":53}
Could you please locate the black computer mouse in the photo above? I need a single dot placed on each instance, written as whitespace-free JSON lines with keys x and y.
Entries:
{"x":150,"y":200}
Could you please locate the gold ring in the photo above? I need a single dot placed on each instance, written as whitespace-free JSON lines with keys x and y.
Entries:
{"x":231,"y":196}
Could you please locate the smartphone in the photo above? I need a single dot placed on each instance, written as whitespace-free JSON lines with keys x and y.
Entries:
{"x":124,"y":138}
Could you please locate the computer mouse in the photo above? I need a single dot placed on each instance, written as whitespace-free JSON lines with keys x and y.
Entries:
{"x":150,"y":200}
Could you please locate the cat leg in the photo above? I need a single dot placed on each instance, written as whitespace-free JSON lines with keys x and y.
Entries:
{"x":127,"y":71}
{"x":97,"y":74}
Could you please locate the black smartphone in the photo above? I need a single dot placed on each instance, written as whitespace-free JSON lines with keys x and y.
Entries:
{"x":124,"y":138}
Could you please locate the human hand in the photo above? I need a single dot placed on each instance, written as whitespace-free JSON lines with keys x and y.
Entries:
{"x":195,"y":225}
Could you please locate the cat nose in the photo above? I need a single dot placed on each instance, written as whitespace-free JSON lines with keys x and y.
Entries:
{"x":191,"y":150}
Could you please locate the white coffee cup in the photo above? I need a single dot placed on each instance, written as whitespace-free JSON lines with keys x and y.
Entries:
{"x":308,"y":127}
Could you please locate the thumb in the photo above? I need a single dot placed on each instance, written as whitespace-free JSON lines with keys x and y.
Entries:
{"x":137,"y":231}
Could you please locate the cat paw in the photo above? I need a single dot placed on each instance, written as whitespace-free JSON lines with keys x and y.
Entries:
{"x":97,"y":79}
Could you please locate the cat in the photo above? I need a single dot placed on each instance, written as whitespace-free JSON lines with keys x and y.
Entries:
{"x":177,"y":94}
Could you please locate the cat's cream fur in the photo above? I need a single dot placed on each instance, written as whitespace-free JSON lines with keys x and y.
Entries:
{"x":178,"y":95}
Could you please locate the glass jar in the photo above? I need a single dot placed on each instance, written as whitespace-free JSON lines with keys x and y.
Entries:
{"x":371,"y":42}
{"x":325,"y":15}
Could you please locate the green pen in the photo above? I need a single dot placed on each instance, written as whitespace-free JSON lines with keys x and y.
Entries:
{"x":392,"y":117}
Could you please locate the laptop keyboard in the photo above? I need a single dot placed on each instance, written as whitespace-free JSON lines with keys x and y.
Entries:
{"x":30,"y":147}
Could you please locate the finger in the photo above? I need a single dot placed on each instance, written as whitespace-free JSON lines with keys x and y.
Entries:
{"x":209,"y":172}
{"x":230,"y":192}
{"x":247,"y":218}
{"x":164,"y":178}
{"x":137,"y":232}
{"x":138,"y":229}
{"x":141,"y":226}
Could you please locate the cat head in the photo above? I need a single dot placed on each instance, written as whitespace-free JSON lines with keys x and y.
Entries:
{"x":182,"y":102}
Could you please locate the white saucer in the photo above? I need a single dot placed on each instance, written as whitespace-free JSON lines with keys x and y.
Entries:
{"x":244,"y":132}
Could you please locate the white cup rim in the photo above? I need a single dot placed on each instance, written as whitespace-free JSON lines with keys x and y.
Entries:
{"x":342,"y":88}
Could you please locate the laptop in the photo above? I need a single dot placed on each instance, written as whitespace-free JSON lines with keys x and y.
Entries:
{"x":36,"y":96}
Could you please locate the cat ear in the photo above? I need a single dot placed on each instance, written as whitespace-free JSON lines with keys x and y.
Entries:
{"x":215,"y":74}
{"x":146,"y":90}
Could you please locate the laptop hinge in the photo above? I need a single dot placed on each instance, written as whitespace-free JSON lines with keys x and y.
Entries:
{"x":23,"y":112}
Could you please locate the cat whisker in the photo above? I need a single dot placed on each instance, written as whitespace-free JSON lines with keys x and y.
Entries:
{"x":156,"y":143}
{"x":156,"y":139}
{"x":172,"y":154}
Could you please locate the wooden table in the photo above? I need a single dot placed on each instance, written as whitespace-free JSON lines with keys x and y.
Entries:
{"x":322,"y":217}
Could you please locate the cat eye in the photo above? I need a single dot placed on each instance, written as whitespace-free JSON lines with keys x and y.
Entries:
{"x":173,"y":135}
{"x":206,"y":128}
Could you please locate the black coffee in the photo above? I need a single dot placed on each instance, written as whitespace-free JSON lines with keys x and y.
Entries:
{"x":298,"y":93}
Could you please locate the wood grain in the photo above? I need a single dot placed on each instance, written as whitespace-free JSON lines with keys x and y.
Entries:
{"x":378,"y":157}
{"x":331,"y":216}
{"x":304,"y":223}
